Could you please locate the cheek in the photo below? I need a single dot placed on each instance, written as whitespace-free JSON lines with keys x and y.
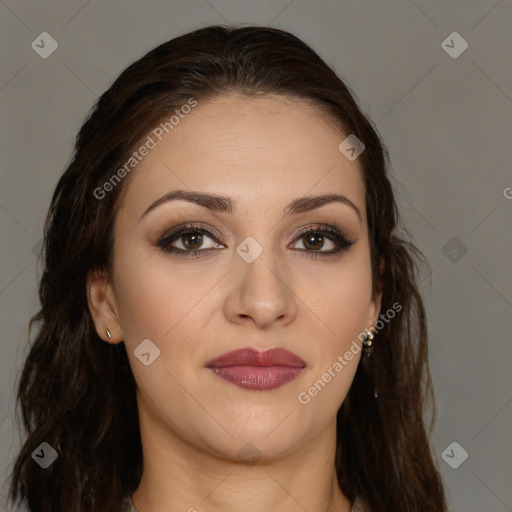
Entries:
{"x":345,"y":297}
{"x":152,"y":295}
{"x":157,"y":300}
{"x":344,"y":313}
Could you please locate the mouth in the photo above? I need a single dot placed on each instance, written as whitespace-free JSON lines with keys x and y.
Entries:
{"x":257,"y":370}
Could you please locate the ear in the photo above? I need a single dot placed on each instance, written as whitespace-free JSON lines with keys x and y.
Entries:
{"x":102,"y":305}
{"x":376,"y":303}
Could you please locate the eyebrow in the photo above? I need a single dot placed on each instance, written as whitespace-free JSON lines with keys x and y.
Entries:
{"x":225,"y":204}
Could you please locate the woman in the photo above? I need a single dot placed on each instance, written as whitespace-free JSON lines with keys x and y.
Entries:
{"x":229,"y":318}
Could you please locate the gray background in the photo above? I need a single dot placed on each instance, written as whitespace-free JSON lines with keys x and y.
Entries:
{"x":446,"y":121}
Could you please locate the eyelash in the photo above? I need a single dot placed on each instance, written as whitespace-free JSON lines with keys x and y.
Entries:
{"x":334,"y":234}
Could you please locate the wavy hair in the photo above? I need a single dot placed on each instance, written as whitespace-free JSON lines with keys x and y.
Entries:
{"x":78,"y":393}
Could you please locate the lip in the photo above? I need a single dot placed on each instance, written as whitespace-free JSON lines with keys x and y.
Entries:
{"x":257,"y":370}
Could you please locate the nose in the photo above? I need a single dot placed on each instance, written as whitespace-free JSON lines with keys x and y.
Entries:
{"x":261,"y":292}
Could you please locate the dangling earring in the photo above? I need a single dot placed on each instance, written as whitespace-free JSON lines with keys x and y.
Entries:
{"x":368,"y":343}
{"x":109,"y":336}
{"x":368,"y":350}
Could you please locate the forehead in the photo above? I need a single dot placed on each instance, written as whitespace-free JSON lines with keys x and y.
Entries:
{"x":260,"y":151}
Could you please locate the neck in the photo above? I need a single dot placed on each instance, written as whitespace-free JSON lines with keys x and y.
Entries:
{"x":179,"y":476}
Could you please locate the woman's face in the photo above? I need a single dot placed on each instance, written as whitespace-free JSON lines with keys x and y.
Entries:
{"x":258,"y":281}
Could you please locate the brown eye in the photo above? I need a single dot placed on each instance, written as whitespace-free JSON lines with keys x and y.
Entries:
{"x":192,"y":240}
{"x":314,"y":238}
{"x":313,"y":241}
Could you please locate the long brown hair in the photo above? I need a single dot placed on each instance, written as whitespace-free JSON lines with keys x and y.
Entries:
{"x":77,"y":393}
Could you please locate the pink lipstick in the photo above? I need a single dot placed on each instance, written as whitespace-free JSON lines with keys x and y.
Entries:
{"x":256,"y":370}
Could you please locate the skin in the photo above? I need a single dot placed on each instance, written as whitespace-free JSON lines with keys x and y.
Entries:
{"x":263,"y":153}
